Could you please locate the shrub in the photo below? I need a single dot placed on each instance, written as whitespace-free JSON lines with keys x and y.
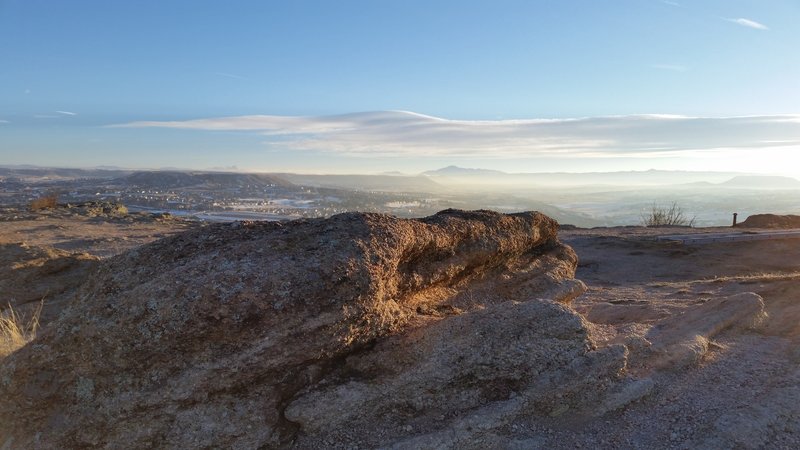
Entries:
{"x":15,"y":331}
{"x":45,"y":201}
{"x":666,"y":216}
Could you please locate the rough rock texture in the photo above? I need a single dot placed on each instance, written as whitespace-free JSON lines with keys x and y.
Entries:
{"x":676,"y":337}
{"x":31,"y":274}
{"x":498,"y":363}
{"x":99,"y":209}
{"x":205,"y":338}
{"x":771,"y":221}
{"x":683,"y":339}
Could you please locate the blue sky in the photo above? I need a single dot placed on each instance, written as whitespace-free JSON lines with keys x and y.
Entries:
{"x":169,"y":83}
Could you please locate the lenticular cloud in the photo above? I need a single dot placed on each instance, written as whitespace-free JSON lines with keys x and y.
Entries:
{"x":404,"y":133}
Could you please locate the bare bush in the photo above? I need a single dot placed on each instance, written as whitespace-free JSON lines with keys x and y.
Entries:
{"x":666,"y":216}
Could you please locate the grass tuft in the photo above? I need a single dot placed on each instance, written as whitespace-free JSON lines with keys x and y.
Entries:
{"x":16,"y":331}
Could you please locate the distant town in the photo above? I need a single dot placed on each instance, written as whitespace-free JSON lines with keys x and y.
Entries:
{"x":209,"y":196}
{"x":585,"y":200}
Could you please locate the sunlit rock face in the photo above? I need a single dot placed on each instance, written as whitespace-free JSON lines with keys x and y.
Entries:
{"x":358,"y":330}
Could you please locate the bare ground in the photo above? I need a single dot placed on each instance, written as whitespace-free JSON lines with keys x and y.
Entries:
{"x":745,"y":390}
{"x":101,"y":235}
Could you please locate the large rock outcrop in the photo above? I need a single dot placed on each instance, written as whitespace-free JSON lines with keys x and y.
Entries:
{"x":262,"y":334}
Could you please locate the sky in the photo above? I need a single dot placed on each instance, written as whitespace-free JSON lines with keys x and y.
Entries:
{"x":372,"y":86}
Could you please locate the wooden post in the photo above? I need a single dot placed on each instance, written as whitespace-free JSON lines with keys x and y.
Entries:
{"x":734,"y":219}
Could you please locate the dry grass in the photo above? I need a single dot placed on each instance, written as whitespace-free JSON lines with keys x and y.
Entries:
{"x":17,"y":330}
{"x":43,"y":202}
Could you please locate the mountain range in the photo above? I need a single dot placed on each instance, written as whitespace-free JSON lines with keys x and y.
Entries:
{"x":444,"y":179}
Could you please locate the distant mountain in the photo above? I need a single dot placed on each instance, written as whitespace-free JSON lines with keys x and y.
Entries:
{"x":59,"y":173}
{"x":160,"y":179}
{"x":650,"y":177}
{"x":762,"y":182}
{"x":698,"y":184}
{"x":460,"y":171}
{"x":384,"y":183}
{"x":482,"y":178}
{"x":213,"y":180}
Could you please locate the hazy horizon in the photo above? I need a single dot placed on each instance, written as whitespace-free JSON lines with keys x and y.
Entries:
{"x":428,"y":171}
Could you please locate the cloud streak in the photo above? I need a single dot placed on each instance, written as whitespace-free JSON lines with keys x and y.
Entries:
{"x":406,"y":134}
{"x":749,"y":23}
{"x":230,"y":75}
{"x":67,"y":113}
{"x":671,"y":67}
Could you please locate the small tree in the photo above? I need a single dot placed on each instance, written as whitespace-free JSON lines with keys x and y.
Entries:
{"x":666,"y":216}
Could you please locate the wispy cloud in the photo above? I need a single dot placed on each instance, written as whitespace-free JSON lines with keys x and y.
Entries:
{"x":672,"y":67}
{"x":670,"y":3}
{"x":55,"y":115}
{"x":4,"y":121}
{"x":400,"y":133}
{"x":230,"y":75}
{"x":748,"y":23}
